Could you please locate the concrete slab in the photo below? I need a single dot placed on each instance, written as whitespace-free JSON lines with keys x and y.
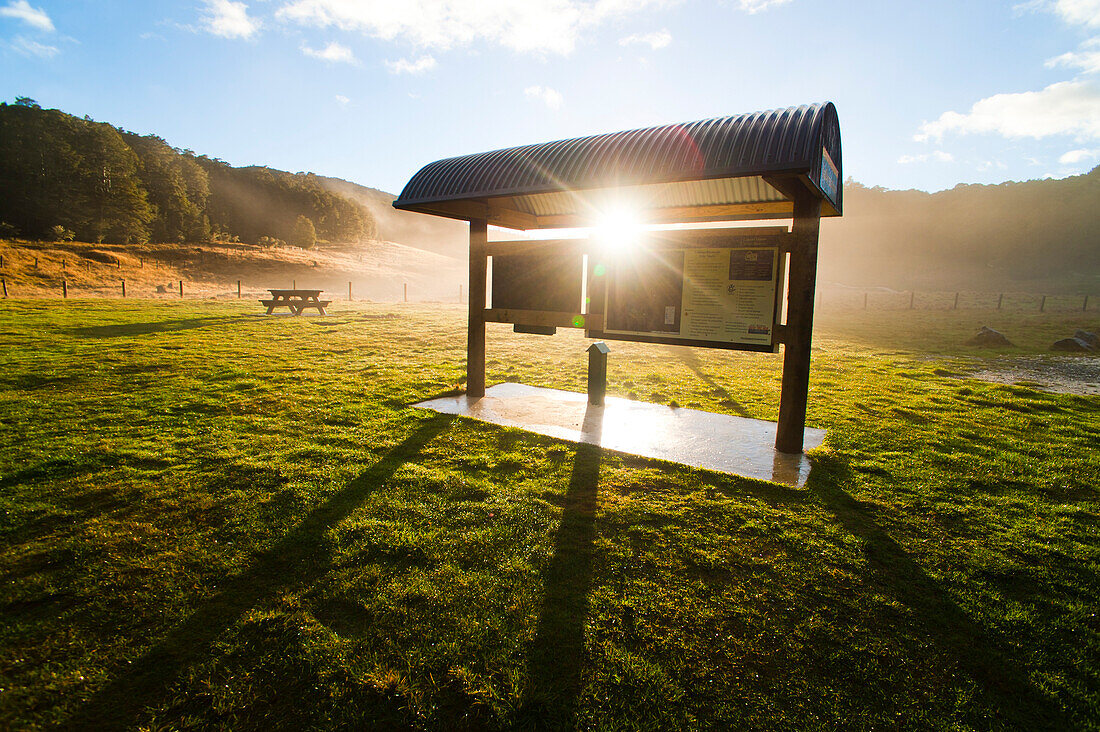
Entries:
{"x":701,"y":439}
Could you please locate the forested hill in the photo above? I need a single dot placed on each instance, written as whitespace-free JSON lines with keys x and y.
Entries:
{"x":64,"y":177}
{"x":1039,"y":234}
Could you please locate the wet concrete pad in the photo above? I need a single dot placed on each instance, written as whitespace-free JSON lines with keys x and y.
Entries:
{"x":701,"y":439}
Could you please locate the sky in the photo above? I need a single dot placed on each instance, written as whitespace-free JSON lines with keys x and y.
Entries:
{"x":930,"y":94}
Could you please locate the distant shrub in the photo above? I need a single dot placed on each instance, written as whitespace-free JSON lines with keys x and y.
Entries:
{"x":60,"y":233}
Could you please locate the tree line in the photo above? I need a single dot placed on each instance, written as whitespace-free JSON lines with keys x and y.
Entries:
{"x":63,"y":177}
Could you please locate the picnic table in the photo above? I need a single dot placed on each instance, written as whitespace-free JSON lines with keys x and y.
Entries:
{"x":296,"y":300}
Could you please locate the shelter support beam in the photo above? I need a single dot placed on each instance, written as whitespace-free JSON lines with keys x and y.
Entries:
{"x":475,"y":335}
{"x":800,"y":323}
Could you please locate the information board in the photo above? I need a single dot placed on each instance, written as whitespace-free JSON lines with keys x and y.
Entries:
{"x":719,"y":296}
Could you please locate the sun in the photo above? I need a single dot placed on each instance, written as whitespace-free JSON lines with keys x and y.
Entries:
{"x":618,"y":229}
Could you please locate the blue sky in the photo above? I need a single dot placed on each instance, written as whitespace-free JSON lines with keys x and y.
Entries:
{"x":930,"y":94}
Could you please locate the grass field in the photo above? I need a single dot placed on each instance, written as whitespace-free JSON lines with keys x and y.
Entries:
{"x":213,"y":518}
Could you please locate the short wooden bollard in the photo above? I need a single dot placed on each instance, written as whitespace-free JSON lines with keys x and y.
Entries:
{"x":597,"y":373}
{"x":124,"y":289}
{"x":1042,"y":303}
{"x":238,"y":289}
{"x":956,"y":305}
{"x":1000,"y":299}
{"x":64,"y":289}
{"x":349,"y":292}
{"x":181,"y":288}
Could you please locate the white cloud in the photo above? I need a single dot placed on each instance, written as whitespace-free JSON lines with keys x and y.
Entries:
{"x":34,"y":17}
{"x":27,"y":47}
{"x":1065,"y":108}
{"x":405,"y":66}
{"x":341,"y":100}
{"x":755,"y":6}
{"x":1079,"y":12}
{"x":334,"y":53}
{"x":938,"y":156}
{"x":552,"y":98}
{"x":1087,"y":59}
{"x":1077,"y":156}
{"x":655,"y":40}
{"x":229,"y":19}
{"x":539,"y":26}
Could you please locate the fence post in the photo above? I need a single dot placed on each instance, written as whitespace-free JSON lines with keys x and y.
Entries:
{"x":956,"y":305}
{"x":64,"y":289}
{"x":124,"y":288}
{"x":1,"y":260}
{"x":118,"y":263}
{"x":1000,"y":299}
{"x":5,"y":283}
{"x":349,"y":291}
{"x":865,"y":301}
{"x":1085,"y":307}
{"x":460,"y":294}
{"x":238,"y":289}
{"x":181,"y":288}
{"x":406,"y":292}
{"x":1042,"y":303}
{"x":141,"y":262}
{"x":912,"y":296}
{"x":36,"y":262}
{"x":294,"y":284}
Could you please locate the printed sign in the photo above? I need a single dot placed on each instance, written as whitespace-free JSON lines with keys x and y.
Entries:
{"x":717,"y":295}
{"x":829,"y":179}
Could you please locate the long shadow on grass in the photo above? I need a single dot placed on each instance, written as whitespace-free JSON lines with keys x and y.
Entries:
{"x":687,"y":355}
{"x":298,"y":559}
{"x":161,"y":326}
{"x":1005,"y":698}
{"x":556,"y":657}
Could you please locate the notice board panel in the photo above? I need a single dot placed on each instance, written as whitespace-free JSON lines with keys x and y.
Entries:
{"x":538,"y":281}
{"x":714,"y":296}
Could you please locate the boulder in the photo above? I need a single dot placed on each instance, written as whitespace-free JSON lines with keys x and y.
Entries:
{"x":1072,"y":345}
{"x":1091,"y":338}
{"x":989,"y":338}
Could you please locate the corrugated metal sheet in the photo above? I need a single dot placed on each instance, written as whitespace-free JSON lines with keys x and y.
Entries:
{"x":715,"y":161}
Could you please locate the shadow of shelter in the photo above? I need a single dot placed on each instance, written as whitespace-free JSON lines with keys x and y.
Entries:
{"x":298,"y":559}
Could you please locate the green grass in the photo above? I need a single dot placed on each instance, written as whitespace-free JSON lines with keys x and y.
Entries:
{"x":211,"y":518}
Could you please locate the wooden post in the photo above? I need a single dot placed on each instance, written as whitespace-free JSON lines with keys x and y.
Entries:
{"x":800,"y":323}
{"x":475,"y":333}
{"x":141,"y":262}
{"x":64,"y":289}
{"x":912,"y":296}
{"x":181,"y":288}
{"x":956,"y":305}
{"x":36,"y":262}
{"x":294,"y":284}
{"x":5,"y":283}
{"x":406,"y":292}
{"x":238,"y":289}
{"x":1085,"y":307}
{"x":349,"y":291}
{"x":1042,"y":303}
{"x":118,"y":263}
{"x":63,"y":265}
{"x":1,"y":260}
{"x":1000,"y":299}
{"x":460,"y":294}
{"x":865,"y":301}
{"x":124,"y":289}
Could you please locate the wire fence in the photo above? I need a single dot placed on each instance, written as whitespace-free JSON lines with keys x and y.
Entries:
{"x":957,"y":300}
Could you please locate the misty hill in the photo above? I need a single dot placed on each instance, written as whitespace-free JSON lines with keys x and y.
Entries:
{"x":62,"y":177}
{"x":1039,"y":234}
{"x":435,"y":234}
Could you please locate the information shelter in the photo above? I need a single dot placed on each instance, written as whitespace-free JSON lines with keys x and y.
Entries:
{"x":736,"y":288}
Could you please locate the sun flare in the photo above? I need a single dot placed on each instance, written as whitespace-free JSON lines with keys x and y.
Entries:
{"x":618,"y":229}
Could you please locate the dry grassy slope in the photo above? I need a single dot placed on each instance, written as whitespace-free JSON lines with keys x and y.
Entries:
{"x":378,"y":270}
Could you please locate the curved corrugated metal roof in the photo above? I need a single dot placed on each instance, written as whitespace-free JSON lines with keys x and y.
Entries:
{"x":782,"y":141}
